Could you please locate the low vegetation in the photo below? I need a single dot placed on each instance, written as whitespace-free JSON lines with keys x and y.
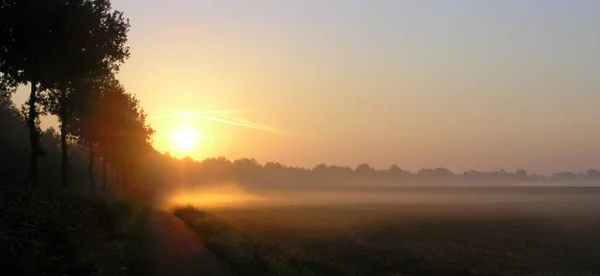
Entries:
{"x":60,"y":234}
{"x":415,"y":239}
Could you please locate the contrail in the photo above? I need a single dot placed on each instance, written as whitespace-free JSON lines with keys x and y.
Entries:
{"x":238,"y":122}
{"x":215,"y":116}
{"x":187,"y":123}
{"x":225,"y":111}
{"x":164,"y":117}
{"x":184,"y":113}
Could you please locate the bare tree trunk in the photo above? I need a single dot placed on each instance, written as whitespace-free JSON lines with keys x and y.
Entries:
{"x":1,"y":124}
{"x":34,"y":137}
{"x":118,"y":177}
{"x":63,"y":137}
{"x":91,"y":168}
{"x":104,"y":174}
{"x":124,"y":180}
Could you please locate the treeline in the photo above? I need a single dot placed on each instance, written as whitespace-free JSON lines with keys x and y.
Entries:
{"x":251,"y":174}
{"x":67,"y":53}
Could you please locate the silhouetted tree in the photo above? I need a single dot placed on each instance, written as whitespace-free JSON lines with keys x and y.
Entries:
{"x":14,"y":150}
{"x":273,"y":166}
{"x":339,"y":170}
{"x":364,"y":168}
{"x":563,"y":176}
{"x":396,"y":171}
{"x":85,"y":116}
{"x":13,"y":132}
{"x":26,"y":29}
{"x":521,"y":174}
{"x":123,"y":135}
{"x":437,"y":172}
{"x":90,"y":43}
{"x":321,"y":168}
{"x":593,"y":173}
{"x":6,"y":87}
{"x":50,"y":44}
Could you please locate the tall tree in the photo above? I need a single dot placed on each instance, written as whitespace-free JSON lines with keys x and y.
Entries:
{"x":89,"y":43}
{"x":25,"y":39}
{"x":119,"y":129}
{"x":84,"y":117}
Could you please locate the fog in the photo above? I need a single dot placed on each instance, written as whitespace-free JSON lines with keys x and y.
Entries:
{"x":234,"y":195}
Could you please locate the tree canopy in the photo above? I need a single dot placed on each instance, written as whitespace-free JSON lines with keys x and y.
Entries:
{"x":68,"y":52}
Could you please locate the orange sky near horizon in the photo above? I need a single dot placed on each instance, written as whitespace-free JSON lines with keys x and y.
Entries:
{"x":469,"y":85}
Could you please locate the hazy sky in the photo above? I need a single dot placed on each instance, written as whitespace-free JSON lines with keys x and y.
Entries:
{"x":457,"y":84}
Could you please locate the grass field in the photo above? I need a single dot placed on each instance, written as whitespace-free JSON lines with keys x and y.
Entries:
{"x":552,"y":231}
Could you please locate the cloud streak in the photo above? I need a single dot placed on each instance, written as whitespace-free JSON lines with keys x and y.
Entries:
{"x":220,"y":116}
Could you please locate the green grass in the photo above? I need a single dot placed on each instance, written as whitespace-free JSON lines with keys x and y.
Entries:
{"x":61,"y":234}
{"x":413,"y":239}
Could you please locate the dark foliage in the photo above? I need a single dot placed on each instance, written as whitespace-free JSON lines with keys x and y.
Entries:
{"x":52,"y":45}
{"x":56,"y":234}
{"x":14,"y":149}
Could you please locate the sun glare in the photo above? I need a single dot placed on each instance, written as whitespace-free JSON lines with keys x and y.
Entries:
{"x":185,"y":139}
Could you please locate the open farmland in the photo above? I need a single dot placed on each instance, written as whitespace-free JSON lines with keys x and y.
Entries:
{"x":533,"y":231}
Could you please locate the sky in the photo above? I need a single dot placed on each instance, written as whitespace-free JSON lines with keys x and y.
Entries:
{"x":461,"y":84}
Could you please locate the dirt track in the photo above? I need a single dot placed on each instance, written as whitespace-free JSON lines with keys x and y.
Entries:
{"x":175,"y":250}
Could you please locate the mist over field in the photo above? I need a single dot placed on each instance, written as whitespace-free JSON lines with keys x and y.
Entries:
{"x":232,"y":195}
{"x":218,"y":182}
{"x":442,"y":230}
{"x":394,"y":137}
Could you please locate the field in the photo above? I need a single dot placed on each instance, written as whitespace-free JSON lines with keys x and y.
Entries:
{"x":448,"y":231}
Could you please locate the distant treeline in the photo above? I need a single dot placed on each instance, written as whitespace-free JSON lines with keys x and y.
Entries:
{"x":251,"y":174}
{"x":162,"y":170}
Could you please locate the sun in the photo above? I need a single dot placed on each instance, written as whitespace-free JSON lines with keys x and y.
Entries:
{"x":185,"y":139}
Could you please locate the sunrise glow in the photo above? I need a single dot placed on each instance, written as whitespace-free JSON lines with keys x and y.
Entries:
{"x":185,"y":139}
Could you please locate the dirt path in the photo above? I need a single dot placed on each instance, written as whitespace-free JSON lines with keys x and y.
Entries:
{"x":175,"y":250}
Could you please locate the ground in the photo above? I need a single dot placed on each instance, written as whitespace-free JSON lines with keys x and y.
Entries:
{"x":175,"y":250}
{"x":499,"y":231}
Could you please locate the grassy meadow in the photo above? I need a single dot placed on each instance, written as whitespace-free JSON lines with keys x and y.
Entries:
{"x":516,"y":231}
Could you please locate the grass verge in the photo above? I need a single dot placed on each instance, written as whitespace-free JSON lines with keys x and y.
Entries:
{"x":62,"y":234}
{"x":243,"y":255}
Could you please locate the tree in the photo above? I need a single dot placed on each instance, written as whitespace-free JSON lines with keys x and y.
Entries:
{"x":395,"y":168}
{"x":364,"y":168}
{"x":49,"y":44}
{"x":321,"y":168}
{"x":24,"y":51}
{"x":521,"y":174}
{"x":6,"y":87}
{"x":13,"y":132}
{"x":593,"y":173}
{"x":89,"y":43}
{"x":563,"y":176}
{"x":84,"y":117}
{"x":437,"y":172}
{"x":396,"y":171}
{"x":121,"y":132}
